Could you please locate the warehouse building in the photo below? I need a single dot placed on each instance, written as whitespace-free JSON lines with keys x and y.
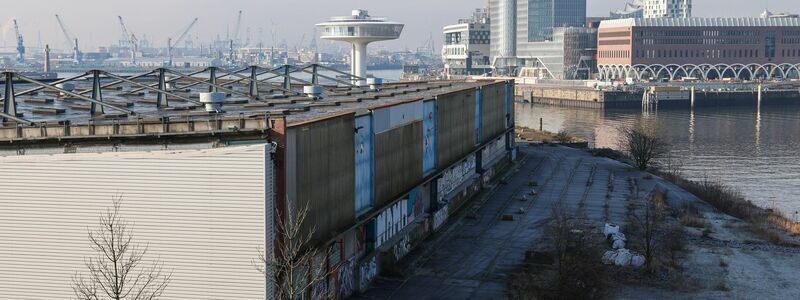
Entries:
{"x":380,"y":168}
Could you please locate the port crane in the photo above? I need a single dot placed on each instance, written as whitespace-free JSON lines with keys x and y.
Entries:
{"x":77,"y":54}
{"x":128,"y":40}
{"x":20,"y":44}
{"x":237,"y":29}
{"x":171,"y":44}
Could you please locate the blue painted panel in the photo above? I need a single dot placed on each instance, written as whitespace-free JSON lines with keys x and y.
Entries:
{"x":364,"y":163}
{"x":429,"y":137}
{"x":478,"y":125}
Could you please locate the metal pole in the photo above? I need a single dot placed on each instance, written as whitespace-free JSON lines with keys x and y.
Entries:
{"x":254,"y":82}
{"x":97,"y":94}
{"x":212,"y":79}
{"x":314,"y":75}
{"x":287,"y":82}
{"x":162,"y":101}
{"x":10,"y":102}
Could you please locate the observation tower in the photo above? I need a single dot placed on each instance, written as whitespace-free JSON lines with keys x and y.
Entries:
{"x":360,"y":29}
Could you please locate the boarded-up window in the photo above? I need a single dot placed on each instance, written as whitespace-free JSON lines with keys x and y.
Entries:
{"x":455,"y":127}
{"x":493,"y":111}
{"x":398,"y":162}
{"x":325,"y":173}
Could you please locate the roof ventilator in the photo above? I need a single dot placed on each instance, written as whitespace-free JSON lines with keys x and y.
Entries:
{"x":313,"y":91}
{"x":213,"y":101}
{"x":374,"y":83}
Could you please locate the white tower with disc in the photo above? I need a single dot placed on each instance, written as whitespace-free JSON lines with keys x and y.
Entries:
{"x":359,"y":29}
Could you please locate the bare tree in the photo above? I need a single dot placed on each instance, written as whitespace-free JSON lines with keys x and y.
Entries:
{"x":642,"y":145}
{"x":563,"y":137}
{"x":116,"y":271}
{"x":651,"y":221}
{"x":292,"y":267}
{"x":561,"y":224}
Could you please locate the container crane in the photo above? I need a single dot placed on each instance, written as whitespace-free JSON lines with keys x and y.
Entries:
{"x":237,"y":29}
{"x":20,"y":44}
{"x":128,"y":40}
{"x":171,"y":44}
{"x":77,"y":54}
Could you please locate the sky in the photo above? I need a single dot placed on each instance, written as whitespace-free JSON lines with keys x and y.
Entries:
{"x":94,"y":22}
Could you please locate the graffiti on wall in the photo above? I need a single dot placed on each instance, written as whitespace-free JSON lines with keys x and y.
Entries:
{"x":368,"y":269}
{"x":454,"y":177}
{"x":492,"y":151}
{"x":391,"y":221}
{"x":347,"y":280}
{"x":440,"y":216}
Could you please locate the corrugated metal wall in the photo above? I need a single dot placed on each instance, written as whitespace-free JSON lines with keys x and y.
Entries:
{"x":455,"y":126}
{"x":323,"y":176}
{"x":398,"y":162}
{"x":201,"y":211}
{"x":364,"y":162}
{"x":429,"y":136}
{"x":493,"y":111}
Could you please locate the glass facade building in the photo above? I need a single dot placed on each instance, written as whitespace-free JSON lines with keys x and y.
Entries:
{"x":544,"y":15}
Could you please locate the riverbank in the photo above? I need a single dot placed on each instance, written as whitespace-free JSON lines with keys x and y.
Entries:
{"x":483,"y":249}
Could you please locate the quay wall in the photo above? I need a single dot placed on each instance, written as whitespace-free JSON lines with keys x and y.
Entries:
{"x":591,"y":98}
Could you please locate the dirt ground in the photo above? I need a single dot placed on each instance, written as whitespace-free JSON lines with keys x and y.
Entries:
{"x":729,"y":263}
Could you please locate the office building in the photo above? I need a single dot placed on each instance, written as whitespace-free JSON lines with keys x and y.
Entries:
{"x":704,"y":48}
{"x":467,"y":46}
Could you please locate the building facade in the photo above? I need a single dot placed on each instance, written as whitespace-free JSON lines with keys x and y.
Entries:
{"x":570,"y":55}
{"x":534,"y":26}
{"x":467,"y":46}
{"x":667,"y":8}
{"x":705,"y":48}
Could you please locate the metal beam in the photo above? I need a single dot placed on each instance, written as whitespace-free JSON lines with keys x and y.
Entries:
{"x":147,"y":87}
{"x":168,"y":81}
{"x":9,"y":102}
{"x":161,"y":99}
{"x":217,"y":86}
{"x":97,"y":94}
{"x":253,"y":82}
{"x":36,"y":89}
{"x":246,"y":78}
{"x":116,"y":82}
{"x":76,"y":95}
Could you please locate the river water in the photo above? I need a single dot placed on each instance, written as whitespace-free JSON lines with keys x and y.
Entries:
{"x":754,"y":150}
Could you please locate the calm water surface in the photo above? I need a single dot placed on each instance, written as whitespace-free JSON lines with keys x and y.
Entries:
{"x":756,"y":151}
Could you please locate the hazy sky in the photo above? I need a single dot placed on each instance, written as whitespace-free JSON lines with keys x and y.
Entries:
{"x":94,"y":22}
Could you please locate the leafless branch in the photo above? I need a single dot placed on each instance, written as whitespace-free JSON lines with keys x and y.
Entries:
{"x":115,"y":270}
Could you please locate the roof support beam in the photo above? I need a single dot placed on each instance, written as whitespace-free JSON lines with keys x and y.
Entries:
{"x":215,"y":86}
{"x":97,"y":94}
{"x":76,"y":95}
{"x":148,"y":87}
{"x":254,"y":82}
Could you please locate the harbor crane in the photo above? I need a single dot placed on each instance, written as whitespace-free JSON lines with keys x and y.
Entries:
{"x":237,"y":29}
{"x":20,"y":44}
{"x":171,"y":44}
{"x":128,"y":40}
{"x":71,"y":42}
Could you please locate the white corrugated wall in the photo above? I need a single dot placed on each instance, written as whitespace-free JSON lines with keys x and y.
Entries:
{"x":201,"y":211}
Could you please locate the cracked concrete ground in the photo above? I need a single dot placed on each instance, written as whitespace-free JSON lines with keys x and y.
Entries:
{"x":472,"y":257}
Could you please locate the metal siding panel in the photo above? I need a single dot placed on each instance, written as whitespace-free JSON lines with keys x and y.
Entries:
{"x":398,"y":162}
{"x":478,"y":107}
{"x":364,"y":162}
{"x":391,"y":117}
{"x":455,"y":127}
{"x":429,"y":143}
{"x":493,"y":111}
{"x":325,"y":174}
{"x":202,"y":212}
{"x":510,"y":97}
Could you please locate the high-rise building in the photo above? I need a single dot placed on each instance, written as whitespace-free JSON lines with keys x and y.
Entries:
{"x":503,"y":27}
{"x":538,"y":17}
{"x":667,"y":8}
{"x":532,"y":34}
